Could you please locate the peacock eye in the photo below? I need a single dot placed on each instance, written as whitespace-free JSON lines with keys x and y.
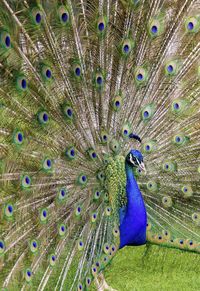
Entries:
{"x":133,"y":159}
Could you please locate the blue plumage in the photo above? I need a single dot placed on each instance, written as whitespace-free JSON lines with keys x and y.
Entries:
{"x":133,"y":217}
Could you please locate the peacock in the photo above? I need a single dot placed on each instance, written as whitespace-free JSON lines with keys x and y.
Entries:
{"x":99,"y":136}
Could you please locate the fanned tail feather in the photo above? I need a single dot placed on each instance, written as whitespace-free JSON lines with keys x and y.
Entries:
{"x":81,"y":81}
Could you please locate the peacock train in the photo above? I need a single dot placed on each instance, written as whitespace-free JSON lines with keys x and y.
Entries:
{"x":99,"y":136}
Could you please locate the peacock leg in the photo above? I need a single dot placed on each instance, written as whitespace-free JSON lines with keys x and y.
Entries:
{"x":99,"y":285}
{"x":103,"y":284}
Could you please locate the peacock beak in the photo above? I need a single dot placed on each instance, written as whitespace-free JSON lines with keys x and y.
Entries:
{"x":142,"y":167}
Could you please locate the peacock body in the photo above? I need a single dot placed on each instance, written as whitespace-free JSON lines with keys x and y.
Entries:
{"x":89,"y":91}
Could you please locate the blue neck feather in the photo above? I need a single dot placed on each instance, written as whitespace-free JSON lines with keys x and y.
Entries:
{"x":133,"y":217}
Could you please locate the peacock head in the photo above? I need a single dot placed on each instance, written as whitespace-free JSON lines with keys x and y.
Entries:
{"x":135,"y":159}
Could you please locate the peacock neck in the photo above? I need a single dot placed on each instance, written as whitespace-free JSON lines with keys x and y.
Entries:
{"x":134,"y":196}
{"x":134,"y":219}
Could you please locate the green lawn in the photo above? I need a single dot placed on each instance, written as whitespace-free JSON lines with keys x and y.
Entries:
{"x":136,"y":269}
{"x":158,"y":269}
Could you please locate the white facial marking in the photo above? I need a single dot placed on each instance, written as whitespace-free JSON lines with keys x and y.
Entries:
{"x":137,"y":161}
{"x":131,"y":159}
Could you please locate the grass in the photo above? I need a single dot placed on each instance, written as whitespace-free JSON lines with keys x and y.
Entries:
{"x":154,"y":269}
{"x":141,"y":268}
